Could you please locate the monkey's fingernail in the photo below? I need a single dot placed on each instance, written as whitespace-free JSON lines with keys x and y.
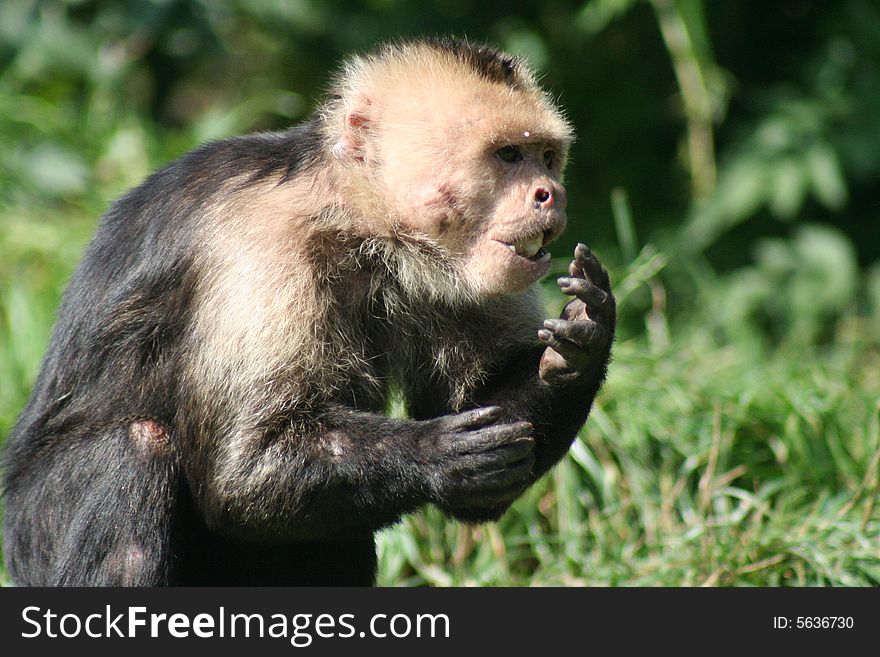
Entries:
{"x":552,"y":324}
{"x":563,"y":281}
{"x":544,"y":335}
{"x":487,"y":413}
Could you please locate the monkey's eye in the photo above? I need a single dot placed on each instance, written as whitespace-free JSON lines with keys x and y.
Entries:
{"x":509,"y":154}
{"x":550,"y":158}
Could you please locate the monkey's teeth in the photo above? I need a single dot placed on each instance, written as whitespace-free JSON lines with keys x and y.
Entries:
{"x":528,"y":248}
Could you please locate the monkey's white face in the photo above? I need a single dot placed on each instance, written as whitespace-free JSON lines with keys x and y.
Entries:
{"x":470,"y":165}
{"x":494,"y":210}
{"x":527,"y":213}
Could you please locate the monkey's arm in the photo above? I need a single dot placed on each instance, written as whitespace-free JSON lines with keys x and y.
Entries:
{"x":552,"y":385}
{"x":359,"y":471}
{"x":574,"y":364}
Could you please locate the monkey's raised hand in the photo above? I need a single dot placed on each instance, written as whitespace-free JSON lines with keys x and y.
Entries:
{"x":580,"y":341}
{"x":469,"y":459}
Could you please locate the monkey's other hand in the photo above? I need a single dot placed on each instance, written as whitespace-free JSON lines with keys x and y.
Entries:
{"x":580,"y":340}
{"x":471,"y":460}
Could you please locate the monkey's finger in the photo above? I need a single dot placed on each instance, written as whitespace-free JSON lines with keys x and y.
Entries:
{"x":509,"y":440}
{"x":596,"y":300}
{"x":571,"y":352}
{"x":479,"y":465}
{"x":472,"y":419}
{"x":512,"y":475}
{"x":512,"y":452}
{"x":583,"y":333}
{"x":591,"y":267}
{"x":493,"y":483}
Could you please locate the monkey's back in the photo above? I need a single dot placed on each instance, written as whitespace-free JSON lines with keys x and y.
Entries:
{"x":92,"y":473}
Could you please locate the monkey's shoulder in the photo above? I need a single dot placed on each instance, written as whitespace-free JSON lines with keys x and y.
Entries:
{"x":209,"y":174}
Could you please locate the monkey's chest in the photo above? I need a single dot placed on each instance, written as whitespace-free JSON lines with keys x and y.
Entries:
{"x":363,"y":379}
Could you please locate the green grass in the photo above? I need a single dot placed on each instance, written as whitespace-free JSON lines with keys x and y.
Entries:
{"x":701,"y":465}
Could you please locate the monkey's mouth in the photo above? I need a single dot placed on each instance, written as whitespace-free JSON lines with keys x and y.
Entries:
{"x":530,"y":247}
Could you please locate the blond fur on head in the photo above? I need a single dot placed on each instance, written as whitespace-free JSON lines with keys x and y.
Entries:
{"x":410,"y":130}
{"x":423,"y":86}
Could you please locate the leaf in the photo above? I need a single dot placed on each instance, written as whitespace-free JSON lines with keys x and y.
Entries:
{"x":54,"y":170}
{"x":598,"y":14}
{"x":827,"y":176}
{"x":788,"y":187}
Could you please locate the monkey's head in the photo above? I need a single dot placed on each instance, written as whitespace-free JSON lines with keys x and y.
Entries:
{"x":455,"y":145}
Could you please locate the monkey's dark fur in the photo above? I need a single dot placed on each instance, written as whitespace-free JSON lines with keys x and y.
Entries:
{"x":125,"y":469}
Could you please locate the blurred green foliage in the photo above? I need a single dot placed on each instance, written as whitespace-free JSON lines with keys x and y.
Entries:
{"x":726,"y":168}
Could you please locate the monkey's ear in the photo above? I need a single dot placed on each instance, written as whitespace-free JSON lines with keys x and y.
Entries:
{"x":352,"y":144}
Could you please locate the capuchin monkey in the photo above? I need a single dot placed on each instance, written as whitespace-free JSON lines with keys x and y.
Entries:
{"x":211,"y":408}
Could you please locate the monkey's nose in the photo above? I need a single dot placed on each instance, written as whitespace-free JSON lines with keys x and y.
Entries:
{"x":543,"y":198}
